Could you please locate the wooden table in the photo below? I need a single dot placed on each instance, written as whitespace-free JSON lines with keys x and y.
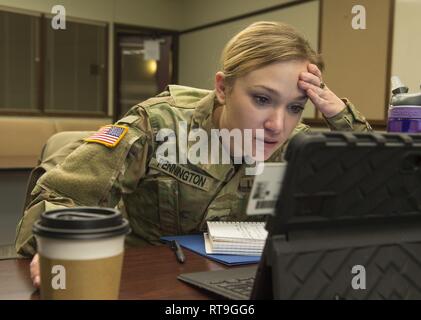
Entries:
{"x":148,"y":273}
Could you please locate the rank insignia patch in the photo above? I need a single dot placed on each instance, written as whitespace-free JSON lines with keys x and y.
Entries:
{"x":109,"y":135}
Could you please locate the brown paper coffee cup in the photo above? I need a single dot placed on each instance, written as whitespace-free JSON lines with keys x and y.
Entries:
{"x":81,"y":253}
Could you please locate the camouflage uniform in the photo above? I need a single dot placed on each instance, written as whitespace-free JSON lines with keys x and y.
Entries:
{"x":157,"y":199}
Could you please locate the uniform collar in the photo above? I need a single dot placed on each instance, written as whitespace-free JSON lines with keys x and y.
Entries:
{"x":186,"y":97}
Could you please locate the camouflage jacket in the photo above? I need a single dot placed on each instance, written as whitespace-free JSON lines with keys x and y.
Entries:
{"x":157,"y":199}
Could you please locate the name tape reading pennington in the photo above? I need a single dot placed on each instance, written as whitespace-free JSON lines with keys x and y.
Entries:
{"x":183,"y":174}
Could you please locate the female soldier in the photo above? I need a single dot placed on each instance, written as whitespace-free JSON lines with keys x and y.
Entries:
{"x":268,"y":72}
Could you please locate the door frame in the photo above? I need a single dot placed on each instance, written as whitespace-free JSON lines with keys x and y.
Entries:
{"x":121,"y":30}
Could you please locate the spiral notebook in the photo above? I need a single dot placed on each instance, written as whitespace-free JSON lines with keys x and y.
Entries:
{"x":240,"y":238}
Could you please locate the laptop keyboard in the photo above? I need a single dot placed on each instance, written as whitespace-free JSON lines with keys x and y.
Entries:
{"x":234,"y":283}
{"x":242,"y":286}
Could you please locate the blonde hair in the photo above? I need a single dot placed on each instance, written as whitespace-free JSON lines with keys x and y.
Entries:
{"x":261,"y":44}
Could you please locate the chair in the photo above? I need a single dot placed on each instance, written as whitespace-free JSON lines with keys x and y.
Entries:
{"x":57,"y":147}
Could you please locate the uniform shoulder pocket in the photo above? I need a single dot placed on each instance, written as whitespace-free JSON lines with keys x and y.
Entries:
{"x":88,"y":173}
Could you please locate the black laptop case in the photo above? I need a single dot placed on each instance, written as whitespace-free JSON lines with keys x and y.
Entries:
{"x":348,"y":220}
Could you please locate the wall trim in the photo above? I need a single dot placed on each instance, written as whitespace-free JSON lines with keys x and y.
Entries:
{"x":246,"y":15}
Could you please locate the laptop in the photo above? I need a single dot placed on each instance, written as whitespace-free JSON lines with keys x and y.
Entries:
{"x":347,"y":224}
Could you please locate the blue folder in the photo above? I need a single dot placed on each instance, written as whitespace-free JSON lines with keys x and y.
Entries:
{"x":196,"y":243}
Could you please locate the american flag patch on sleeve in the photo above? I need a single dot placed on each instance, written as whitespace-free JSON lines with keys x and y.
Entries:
{"x":109,"y":135}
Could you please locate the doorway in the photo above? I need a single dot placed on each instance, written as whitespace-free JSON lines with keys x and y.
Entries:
{"x":145,"y":63}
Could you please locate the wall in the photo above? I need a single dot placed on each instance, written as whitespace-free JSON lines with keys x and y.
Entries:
{"x":136,"y":12}
{"x":406,"y":61}
{"x":357,"y":59}
{"x":206,"y":11}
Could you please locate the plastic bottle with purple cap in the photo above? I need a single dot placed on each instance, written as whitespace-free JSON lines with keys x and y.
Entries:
{"x":405,"y":109}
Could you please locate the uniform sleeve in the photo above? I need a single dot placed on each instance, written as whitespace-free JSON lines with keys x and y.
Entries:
{"x":92,"y":175}
{"x":349,"y":119}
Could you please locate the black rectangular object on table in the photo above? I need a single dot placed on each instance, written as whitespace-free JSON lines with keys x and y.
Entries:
{"x":349,"y":210}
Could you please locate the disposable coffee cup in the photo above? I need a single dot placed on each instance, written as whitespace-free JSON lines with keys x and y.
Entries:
{"x":81,"y":253}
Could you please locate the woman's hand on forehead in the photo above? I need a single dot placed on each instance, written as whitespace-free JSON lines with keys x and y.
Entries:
{"x":322,"y":97}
